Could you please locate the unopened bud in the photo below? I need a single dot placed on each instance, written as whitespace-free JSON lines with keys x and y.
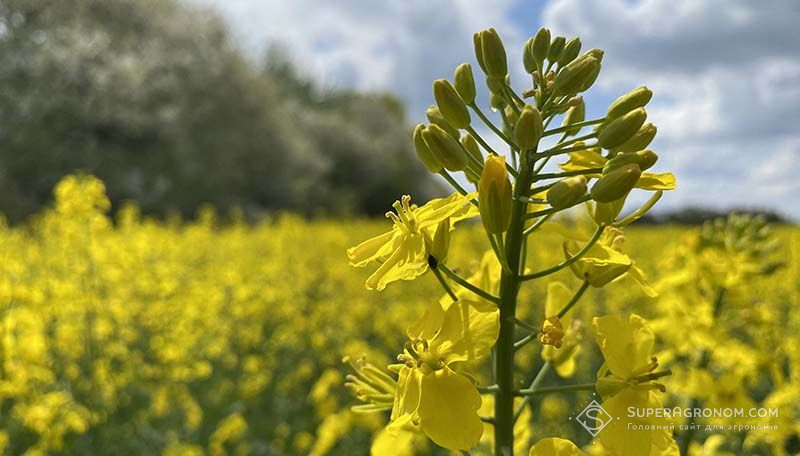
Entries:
{"x":528,"y":129}
{"x":570,"y":79}
{"x":494,"y":195}
{"x":606,"y":213}
{"x":540,"y":46}
{"x":596,"y":53}
{"x":556,"y":48}
{"x":636,"y":98}
{"x":446,"y":149}
{"x":465,"y":83}
{"x":527,"y":59}
{"x":621,"y":129}
{"x":497,"y":101}
{"x":476,"y":42}
{"x":641,"y":139}
{"x":472,"y":148}
{"x":441,"y":241}
{"x":575,"y":114}
{"x":424,"y":152}
{"x":493,"y":54}
{"x":571,"y":50}
{"x":495,"y":85}
{"x":616,"y":184}
{"x":644,"y":158}
{"x":450,"y":104}
{"x":566,"y":192}
{"x":577,"y":100}
{"x":435,"y":117}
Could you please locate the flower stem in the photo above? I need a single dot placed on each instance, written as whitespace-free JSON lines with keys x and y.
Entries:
{"x":545,"y":272}
{"x":575,"y":298}
{"x":446,"y":287}
{"x":555,"y":389}
{"x":509,"y":289}
{"x":464,"y":283}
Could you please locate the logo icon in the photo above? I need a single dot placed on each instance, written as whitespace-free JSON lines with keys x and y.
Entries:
{"x":594,"y":418}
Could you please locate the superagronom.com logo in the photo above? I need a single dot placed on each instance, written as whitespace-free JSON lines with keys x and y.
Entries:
{"x":593,"y":417}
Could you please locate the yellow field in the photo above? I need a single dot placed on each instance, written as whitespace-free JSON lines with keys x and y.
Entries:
{"x":133,"y":336}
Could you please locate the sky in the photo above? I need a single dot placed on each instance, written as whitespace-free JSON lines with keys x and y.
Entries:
{"x":725,"y":73}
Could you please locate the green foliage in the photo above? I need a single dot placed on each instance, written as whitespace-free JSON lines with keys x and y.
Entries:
{"x":154,"y":98}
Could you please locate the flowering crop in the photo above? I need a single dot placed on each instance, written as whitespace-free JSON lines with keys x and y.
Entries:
{"x":134,"y":336}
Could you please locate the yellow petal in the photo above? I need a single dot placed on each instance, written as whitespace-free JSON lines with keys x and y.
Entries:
{"x":468,"y":332}
{"x":638,"y":276}
{"x":407,"y":262}
{"x":662,"y":181}
{"x":626,"y":345}
{"x":372,"y":249}
{"x":618,"y":439}
{"x":448,"y":410}
{"x":455,"y":206}
{"x":406,"y":400}
{"x":584,"y":159}
{"x":427,"y":326}
{"x":601,"y":265}
{"x":555,"y":446}
{"x":400,"y":443}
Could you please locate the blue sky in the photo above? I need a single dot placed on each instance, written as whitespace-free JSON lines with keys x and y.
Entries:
{"x":726,"y":73}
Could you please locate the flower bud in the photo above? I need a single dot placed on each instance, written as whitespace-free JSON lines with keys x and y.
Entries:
{"x":472,"y":148}
{"x":567,"y":192}
{"x":476,"y":42}
{"x":575,"y":114}
{"x":441,"y":241}
{"x":465,"y":83}
{"x":497,"y":101}
{"x":540,"y":46}
{"x":556,"y":48}
{"x":527,"y":58}
{"x":641,"y":139}
{"x":493,"y":54}
{"x":424,"y":152}
{"x":571,"y":50}
{"x":606,"y":213}
{"x":471,"y":145}
{"x":636,"y":98}
{"x":529,"y":128}
{"x":495,"y":85}
{"x":435,"y":117}
{"x":570,"y":79}
{"x":616,"y":184}
{"x":446,"y":149}
{"x":644,"y":158}
{"x":450,"y":104}
{"x":596,"y":53}
{"x":621,"y":129}
{"x":494,"y":195}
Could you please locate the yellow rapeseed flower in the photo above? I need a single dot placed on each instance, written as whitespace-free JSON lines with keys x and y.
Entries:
{"x":442,"y":402}
{"x":403,"y":251}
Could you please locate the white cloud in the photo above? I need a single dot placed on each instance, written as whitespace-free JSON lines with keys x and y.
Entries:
{"x":726,"y":78}
{"x":400,"y":46}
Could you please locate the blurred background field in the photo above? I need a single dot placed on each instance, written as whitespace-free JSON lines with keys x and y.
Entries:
{"x":134,"y":336}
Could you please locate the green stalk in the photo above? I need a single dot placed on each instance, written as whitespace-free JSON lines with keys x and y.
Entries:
{"x":509,"y":289}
